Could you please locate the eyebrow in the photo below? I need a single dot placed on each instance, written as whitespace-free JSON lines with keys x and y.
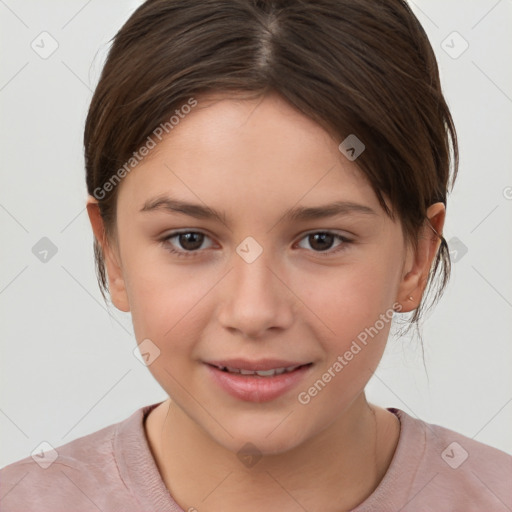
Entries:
{"x":299,"y":213}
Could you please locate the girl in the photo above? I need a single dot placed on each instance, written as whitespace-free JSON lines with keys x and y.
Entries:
{"x":267,"y":188}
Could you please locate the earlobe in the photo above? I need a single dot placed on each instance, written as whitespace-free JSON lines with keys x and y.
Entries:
{"x":419,"y":262}
{"x":111,"y":259}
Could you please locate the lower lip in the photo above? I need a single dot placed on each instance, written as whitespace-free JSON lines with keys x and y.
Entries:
{"x":253,"y":388}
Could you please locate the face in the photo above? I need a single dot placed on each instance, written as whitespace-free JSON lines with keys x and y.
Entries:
{"x":272,"y":281}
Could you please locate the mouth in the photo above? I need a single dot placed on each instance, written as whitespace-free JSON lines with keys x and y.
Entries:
{"x":257,"y":381}
{"x":272,"y":372}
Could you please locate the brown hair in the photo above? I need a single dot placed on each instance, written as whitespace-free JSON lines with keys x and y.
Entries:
{"x":361,"y":67}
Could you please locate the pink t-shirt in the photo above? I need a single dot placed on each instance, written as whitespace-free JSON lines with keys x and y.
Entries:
{"x":112,"y":469}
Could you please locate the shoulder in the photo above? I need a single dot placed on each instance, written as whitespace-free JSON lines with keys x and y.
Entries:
{"x":72,"y":475}
{"x":457,"y":471}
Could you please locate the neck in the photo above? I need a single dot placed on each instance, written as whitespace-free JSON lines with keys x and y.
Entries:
{"x":336,"y":470}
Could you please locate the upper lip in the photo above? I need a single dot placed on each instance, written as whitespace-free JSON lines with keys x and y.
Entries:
{"x":259,"y":365}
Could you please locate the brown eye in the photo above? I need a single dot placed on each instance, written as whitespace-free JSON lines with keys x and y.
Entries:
{"x":190,"y":241}
{"x":322,"y":241}
{"x":186,"y":243}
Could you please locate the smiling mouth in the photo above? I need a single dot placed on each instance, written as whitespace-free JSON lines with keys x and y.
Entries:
{"x":260,"y":373}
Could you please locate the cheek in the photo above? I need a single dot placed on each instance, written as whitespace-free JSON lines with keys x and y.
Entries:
{"x":356,"y":306}
{"x":167,"y":303}
{"x":170,"y":312}
{"x":351,"y":298}
{"x":352,"y":354}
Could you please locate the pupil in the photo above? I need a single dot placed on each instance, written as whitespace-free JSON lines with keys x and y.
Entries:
{"x":191,"y":241}
{"x":322,"y":237}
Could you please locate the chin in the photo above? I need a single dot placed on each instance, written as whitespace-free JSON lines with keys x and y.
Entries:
{"x":265,"y":436}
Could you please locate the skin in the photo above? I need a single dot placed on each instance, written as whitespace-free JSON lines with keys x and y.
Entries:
{"x":253,"y":160}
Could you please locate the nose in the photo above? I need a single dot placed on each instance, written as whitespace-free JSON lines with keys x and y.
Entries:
{"x":256,"y":299}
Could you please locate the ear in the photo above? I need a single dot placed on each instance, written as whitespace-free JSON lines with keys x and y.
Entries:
{"x":116,"y":282}
{"x":418,"y":262}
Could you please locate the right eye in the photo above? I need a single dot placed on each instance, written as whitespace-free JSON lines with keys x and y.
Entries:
{"x":190,"y":241}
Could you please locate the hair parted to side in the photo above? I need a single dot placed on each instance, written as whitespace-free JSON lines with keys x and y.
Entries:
{"x":362,"y":67}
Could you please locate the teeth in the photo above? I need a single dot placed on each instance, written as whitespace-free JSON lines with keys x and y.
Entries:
{"x":261,"y":373}
{"x":267,"y":373}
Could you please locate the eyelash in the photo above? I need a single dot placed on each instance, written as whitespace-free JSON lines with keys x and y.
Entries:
{"x":187,"y":254}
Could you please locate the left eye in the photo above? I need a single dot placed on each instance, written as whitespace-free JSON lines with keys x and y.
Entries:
{"x":191,"y":242}
{"x":321,"y":241}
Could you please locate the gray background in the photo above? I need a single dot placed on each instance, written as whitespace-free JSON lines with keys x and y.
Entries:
{"x":67,"y":366}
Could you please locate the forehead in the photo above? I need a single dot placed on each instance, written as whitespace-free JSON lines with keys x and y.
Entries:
{"x":258,"y":152}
